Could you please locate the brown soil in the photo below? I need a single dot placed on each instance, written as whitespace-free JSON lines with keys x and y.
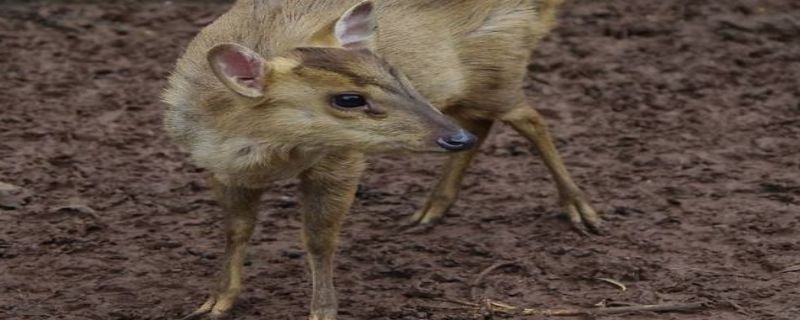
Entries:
{"x":681,"y":119}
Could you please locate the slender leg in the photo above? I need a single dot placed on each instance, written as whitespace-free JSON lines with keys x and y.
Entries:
{"x":445,"y":192}
{"x":239,"y":205}
{"x":327,"y":191}
{"x":528,"y":122}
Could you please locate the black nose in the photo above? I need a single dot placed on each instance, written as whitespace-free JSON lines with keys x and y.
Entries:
{"x":460,"y":141}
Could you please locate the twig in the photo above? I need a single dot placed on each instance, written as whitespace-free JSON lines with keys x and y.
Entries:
{"x":500,"y":307}
{"x":615,"y":310}
{"x":443,"y":308}
{"x":458,"y":302}
{"x":735,"y":306}
{"x":479,"y":279}
{"x":614,"y":282}
{"x":720,"y":274}
{"x":795,"y":268}
{"x":488,"y":306}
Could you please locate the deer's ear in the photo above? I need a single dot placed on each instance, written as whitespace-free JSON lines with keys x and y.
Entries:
{"x":241,"y":69}
{"x":357,"y":28}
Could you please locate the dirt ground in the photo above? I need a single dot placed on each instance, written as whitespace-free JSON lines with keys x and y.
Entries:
{"x":680,"y":119}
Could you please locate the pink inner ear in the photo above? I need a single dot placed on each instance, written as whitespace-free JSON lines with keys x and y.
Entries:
{"x":241,"y":67}
{"x":362,"y":13}
{"x":356,"y":26}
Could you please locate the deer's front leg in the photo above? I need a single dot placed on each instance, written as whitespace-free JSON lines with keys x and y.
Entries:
{"x":327,"y":191}
{"x":239,"y":205}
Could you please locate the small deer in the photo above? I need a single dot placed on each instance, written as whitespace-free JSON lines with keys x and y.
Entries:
{"x":278,"y":89}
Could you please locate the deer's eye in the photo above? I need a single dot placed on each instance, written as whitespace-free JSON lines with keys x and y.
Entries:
{"x":349,"y":101}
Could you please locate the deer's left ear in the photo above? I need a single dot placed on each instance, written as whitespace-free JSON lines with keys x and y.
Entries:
{"x":358,"y":27}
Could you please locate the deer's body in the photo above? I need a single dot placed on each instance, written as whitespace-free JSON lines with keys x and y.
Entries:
{"x":466,"y":57}
{"x":249,"y":126}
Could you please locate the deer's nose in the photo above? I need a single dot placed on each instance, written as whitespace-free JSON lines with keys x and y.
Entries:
{"x":461,"y":140}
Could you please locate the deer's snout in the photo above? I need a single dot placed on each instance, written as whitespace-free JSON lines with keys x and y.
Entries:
{"x":459,"y":141}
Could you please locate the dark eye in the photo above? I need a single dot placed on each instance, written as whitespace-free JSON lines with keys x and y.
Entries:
{"x":349,"y":101}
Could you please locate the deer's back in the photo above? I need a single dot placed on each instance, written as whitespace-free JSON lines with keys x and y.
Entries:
{"x":455,"y":52}
{"x":467,"y":54}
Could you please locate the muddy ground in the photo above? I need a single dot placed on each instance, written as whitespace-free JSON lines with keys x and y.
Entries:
{"x":680,"y":119}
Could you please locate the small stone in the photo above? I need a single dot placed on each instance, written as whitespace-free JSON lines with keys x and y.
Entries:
{"x":74,"y":205}
{"x":12,"y":197}
{"x":293,"y":254}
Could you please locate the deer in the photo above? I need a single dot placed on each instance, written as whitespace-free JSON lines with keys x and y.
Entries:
{"x":307,"y":89}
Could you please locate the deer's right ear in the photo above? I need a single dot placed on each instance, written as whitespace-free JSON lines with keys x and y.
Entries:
{"x":241,"y":69}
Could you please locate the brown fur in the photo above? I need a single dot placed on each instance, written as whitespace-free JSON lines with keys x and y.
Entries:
{"x":464,"y":58}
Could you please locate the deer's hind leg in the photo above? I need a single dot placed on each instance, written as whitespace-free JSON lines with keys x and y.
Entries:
{"x":528,"y":122}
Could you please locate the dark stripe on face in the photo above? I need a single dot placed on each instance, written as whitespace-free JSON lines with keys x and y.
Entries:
{"x":344,"y":62}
